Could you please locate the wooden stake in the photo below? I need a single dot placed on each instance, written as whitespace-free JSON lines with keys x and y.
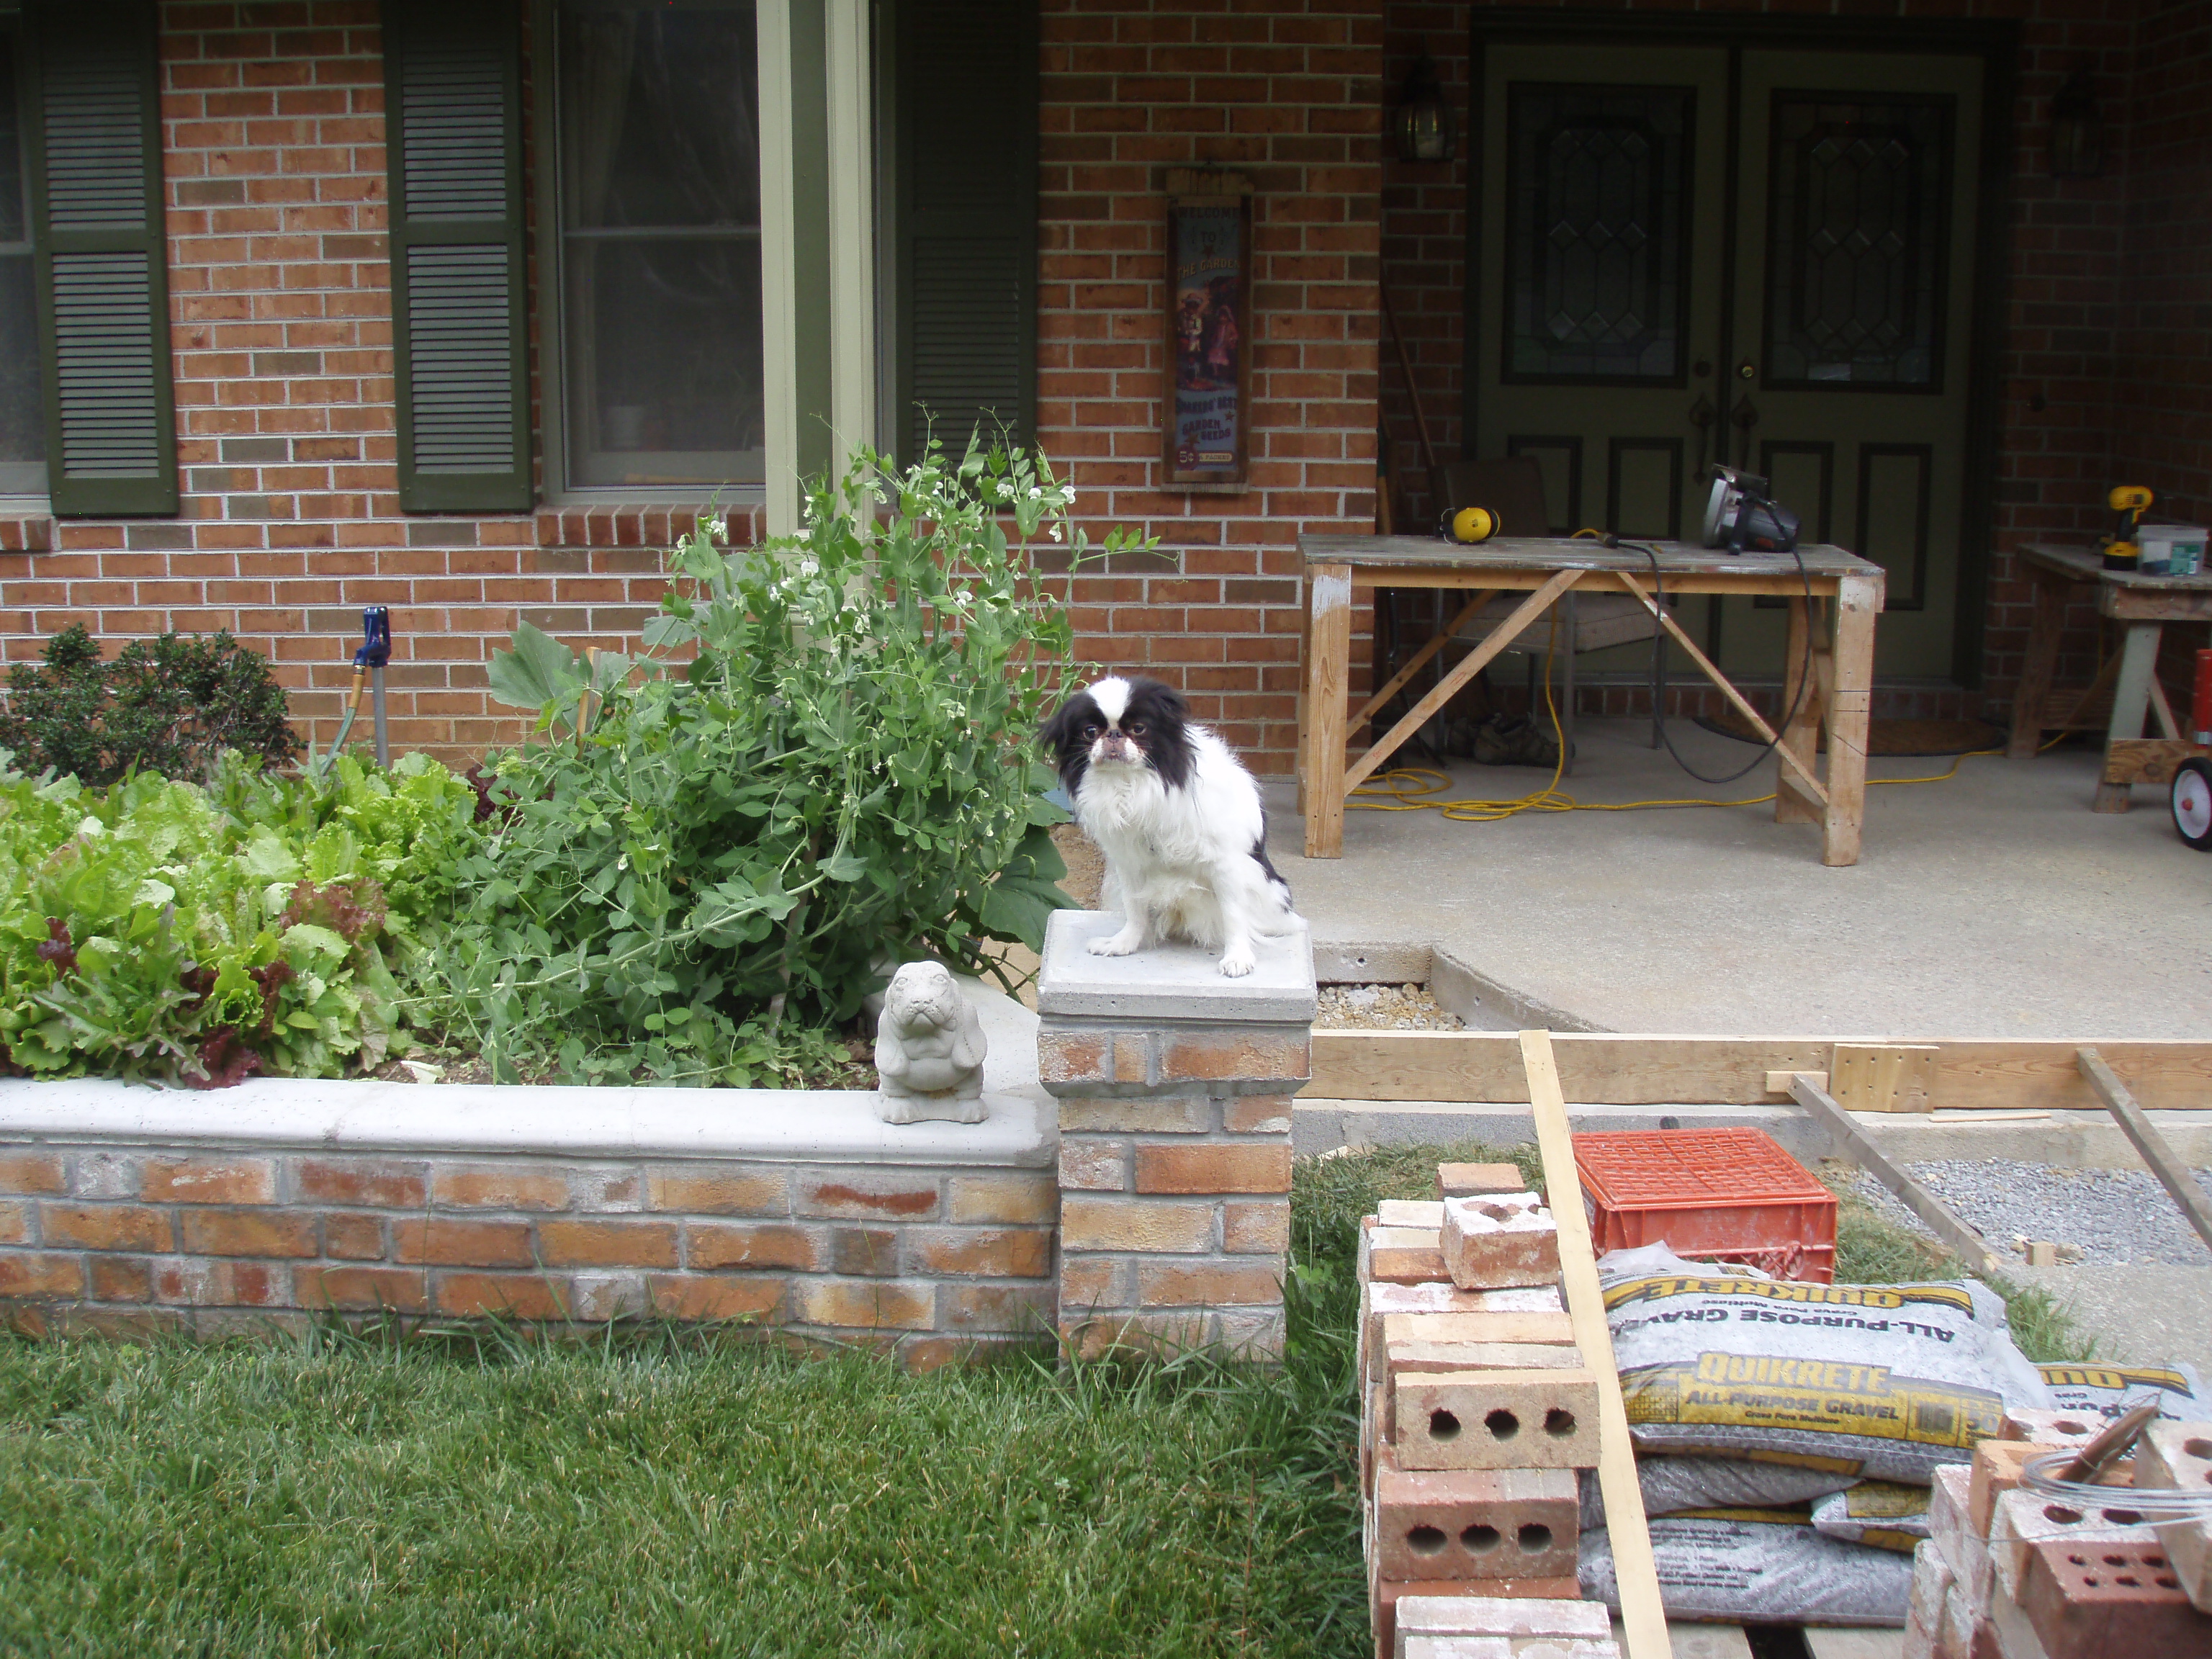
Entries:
{"x":1922,"y":1203}
{"x":1643,"y":1616}
{"x":2171,"y":1172}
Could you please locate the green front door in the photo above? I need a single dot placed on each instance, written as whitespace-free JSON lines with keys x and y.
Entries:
{"x":1690,"y":254}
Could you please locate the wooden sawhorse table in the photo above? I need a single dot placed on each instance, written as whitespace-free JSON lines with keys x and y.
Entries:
{"x":1545,"y":569}
{"x":2146,"y":605}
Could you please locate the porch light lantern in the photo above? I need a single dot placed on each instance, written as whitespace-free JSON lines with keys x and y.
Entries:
{"x":1425,"y":127}
{"x":2077,"y":129}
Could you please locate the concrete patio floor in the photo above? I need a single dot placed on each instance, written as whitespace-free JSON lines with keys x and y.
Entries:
{"x":1996,"y":905}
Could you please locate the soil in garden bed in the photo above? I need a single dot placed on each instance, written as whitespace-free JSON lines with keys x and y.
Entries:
{"x":431,"y":1064}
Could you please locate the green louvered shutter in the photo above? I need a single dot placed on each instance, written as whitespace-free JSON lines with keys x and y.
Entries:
{"x":94,"y":135}
{"x":967,"y":99}
{"x":453,"y":95}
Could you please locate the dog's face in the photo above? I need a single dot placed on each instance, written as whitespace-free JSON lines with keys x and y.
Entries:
{"x":1117,"y":722}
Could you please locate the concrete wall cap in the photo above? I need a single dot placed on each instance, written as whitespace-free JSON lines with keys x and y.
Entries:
{"x":825,"y":1125}
{"x":1171,"y":981}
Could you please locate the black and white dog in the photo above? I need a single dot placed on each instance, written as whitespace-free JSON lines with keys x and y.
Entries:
{"x":1178,"y":819}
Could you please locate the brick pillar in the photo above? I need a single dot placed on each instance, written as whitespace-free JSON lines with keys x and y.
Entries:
{"x":1175,"y":1088}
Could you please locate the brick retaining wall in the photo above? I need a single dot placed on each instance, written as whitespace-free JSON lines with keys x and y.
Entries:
{"x":922,"y":1257}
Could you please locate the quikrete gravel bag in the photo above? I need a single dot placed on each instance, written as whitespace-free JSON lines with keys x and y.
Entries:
{"x":1773,"y":1571}
{"x":1673,"y":1484}
{"x":1882,"y":1380}
{"x":1884,"y":1515}
{"x":2109,"y":1391}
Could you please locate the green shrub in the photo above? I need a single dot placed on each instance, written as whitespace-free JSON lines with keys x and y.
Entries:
{"x":168,"y":705}
{"x":822,"y":762}
{"x":185,"y":933}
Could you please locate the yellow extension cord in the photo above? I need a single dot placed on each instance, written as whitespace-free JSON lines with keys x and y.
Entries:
{"x":1410,"y":788}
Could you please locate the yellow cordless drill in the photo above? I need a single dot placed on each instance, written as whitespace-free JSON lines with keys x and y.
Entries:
{"x":2129,"y":503}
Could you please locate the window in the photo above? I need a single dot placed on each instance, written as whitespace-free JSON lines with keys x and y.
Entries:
{"x":22,"y":411}
{"x":660,"y":245}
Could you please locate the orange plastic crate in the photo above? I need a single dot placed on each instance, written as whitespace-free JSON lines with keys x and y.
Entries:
{"x":1712,"y":1194}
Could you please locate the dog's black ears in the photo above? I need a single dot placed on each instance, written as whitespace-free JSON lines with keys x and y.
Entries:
{"x":1055,"y":734}
{"x":1166,"y":703}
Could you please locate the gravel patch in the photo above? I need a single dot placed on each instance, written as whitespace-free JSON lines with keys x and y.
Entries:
{"x":1384,"y":1008}
{"x":2112,"y":1215}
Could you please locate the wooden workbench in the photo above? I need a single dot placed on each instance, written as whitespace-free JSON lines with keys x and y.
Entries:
{"x":1842,"y":664}
{"x":2145,"y":605}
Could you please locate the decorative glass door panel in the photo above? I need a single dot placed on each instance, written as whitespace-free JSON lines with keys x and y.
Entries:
{"x":1596,"y":256}
{"x":1626,"y":341}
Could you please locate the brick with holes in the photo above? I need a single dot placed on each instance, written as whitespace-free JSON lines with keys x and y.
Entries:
{"x":1517,"y":1419}
{"x":1473,"y":1523}
{"x":2179,"y":1455}
{"x":2101,"y":1601}
{"x":2024,"y":1519}
{"x":1499,"y":1241}
{"x":2050,"y":1428}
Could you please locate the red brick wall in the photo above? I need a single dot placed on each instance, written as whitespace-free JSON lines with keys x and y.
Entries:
{"x":2162,"y":405}
{"x":1289,"y":94}
{"x":280,"y":303}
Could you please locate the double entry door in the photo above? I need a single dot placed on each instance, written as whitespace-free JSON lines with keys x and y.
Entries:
{"x":1696,"y":253}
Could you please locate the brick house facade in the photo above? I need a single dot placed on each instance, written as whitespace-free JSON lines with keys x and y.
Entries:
{"x":274,"y":175}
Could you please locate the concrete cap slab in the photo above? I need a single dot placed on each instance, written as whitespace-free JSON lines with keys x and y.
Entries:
{"x":1171,"y":981}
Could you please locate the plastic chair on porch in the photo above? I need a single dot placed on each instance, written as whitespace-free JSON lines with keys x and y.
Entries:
{"x":1513,"y":488}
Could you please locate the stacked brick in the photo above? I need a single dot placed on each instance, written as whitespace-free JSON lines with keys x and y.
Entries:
{"x":2010,"y":1573}
{"x":1477,"y":1413}
{"x":929,"y":1261}
{"x":1174,"y":1089}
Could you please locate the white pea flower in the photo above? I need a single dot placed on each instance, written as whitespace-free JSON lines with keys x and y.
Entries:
{"x":1067,"y":492}
{"x":1055,"y":532}
{"x":808,"y":566}
{"x":1034,"y":492}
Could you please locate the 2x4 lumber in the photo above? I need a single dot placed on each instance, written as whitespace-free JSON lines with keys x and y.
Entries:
{"x":1329,"y":656}
{"x":1850,"y":709}
{"x":1804,"y":771}
{"x":1469,"y":665}
{"x":2145,"y":760}
{"x":1851,"y":1142}
{"x":2172,"y":1173}
{"x":1643,"y":1617}
{"x":1603,"y":1068}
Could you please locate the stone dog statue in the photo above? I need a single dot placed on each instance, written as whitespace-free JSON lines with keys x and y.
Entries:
{"x":929,"y":1048}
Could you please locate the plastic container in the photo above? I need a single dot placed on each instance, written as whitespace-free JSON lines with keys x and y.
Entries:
{"x":1711,"y":1195}
{"x":2171,"y":550}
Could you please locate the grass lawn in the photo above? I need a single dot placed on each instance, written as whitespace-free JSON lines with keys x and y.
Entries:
{"x":668,"y":1491}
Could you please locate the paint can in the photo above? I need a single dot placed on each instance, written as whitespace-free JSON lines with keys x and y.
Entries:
{"x":2171,"y":550}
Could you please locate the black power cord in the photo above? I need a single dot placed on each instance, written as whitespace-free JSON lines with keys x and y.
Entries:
{"x":1659,"y":663}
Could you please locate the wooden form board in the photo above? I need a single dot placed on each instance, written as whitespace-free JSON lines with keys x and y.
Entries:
{"x":1643,"y":1617}
{"x":1603,"y":1069}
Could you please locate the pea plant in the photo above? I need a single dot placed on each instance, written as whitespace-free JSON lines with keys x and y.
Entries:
{"x":821,"y":763}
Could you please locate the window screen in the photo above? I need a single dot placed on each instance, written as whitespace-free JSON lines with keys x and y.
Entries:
{"x":660,"y":245}
{"x":22,"y":416}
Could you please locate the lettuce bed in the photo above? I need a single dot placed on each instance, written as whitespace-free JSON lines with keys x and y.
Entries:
{"x":177,"y":933}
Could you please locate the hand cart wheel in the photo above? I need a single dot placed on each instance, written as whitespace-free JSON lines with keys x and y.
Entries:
{"x":2192,"y":803}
